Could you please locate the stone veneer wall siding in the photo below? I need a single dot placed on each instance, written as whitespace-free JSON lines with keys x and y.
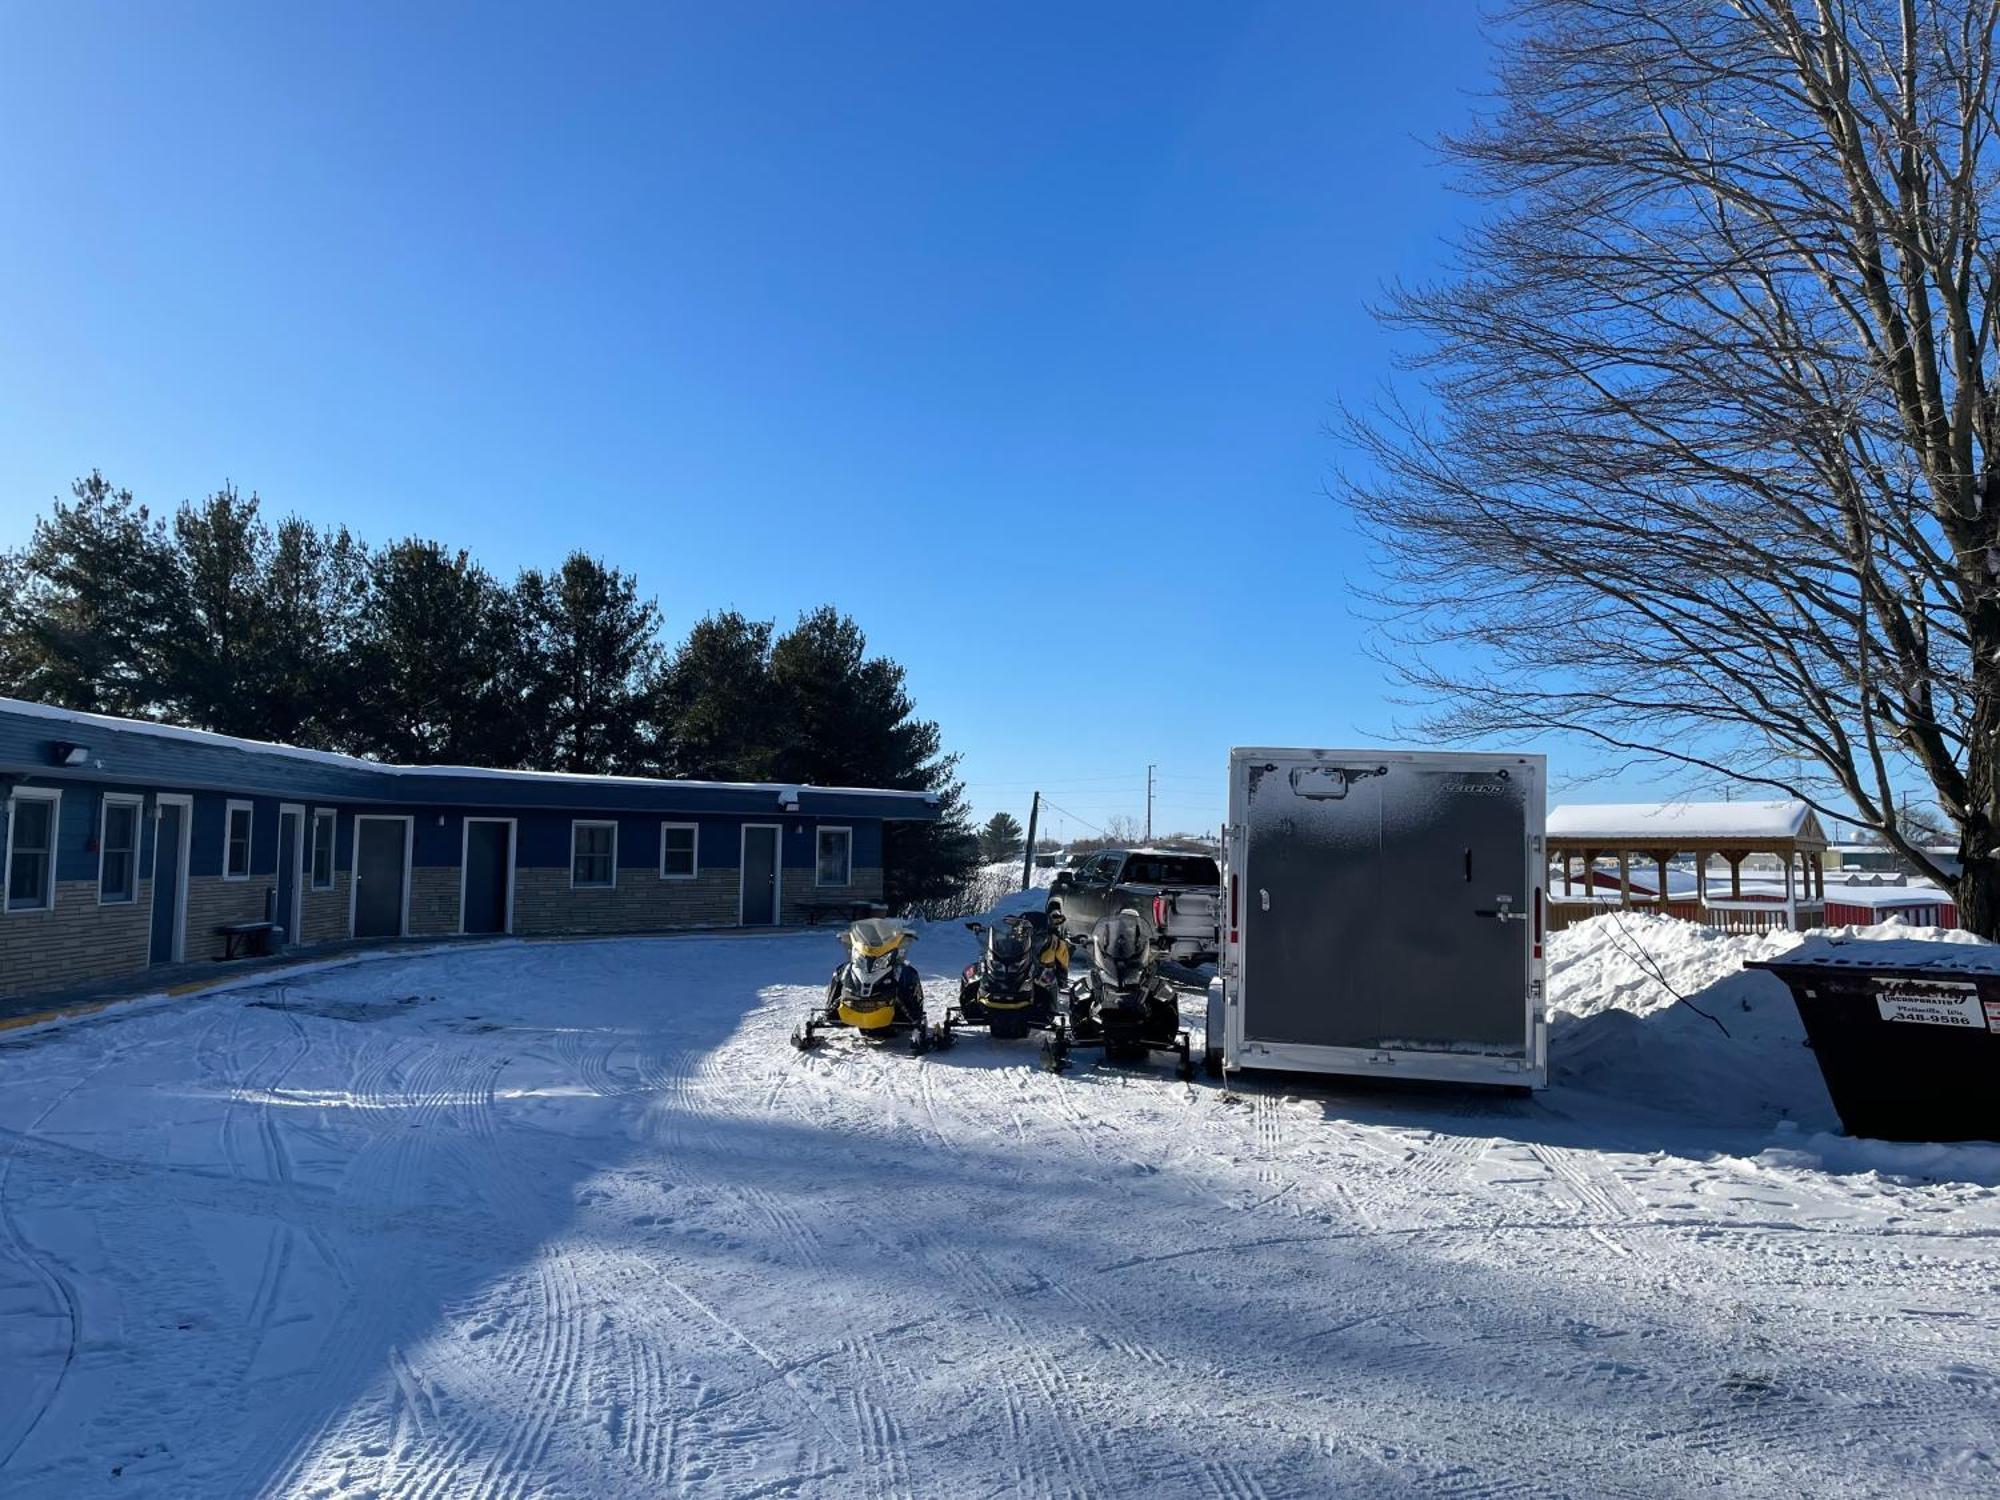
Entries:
{"x":433,"y":900}
{"x":323,"y":914}
{"x":76,"y":941}
{"x":640,"y":902}
{"x":799,"y":894}
{"x":643,"y":902}
{"x":211,"y":901}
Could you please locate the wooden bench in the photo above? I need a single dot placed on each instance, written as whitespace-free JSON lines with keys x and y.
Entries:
{"x":247,"y":939}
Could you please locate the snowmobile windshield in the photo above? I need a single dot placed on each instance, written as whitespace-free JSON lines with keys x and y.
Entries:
{"x":1007,"y":948}
{"x":1121,"y":947}
{"x":873,"y":946}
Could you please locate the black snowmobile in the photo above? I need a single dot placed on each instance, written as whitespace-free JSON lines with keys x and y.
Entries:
{"x":1022,"y":971}
{"x":1123,"y":1005}
{"x":875,"y":993}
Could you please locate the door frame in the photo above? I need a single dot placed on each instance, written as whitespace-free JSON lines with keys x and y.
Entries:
{"x":464,"y":864}
{"x":777,"y":873}
{"x":185,"y":802}
{"x":409,"y":822}
{"x":294,"y":919}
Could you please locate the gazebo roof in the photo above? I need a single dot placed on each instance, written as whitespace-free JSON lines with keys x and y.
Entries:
{"x":1762,"y":825}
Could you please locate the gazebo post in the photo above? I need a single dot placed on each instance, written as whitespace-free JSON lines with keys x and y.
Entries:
{"x":1735,"y":876}
{"x":1791,"y":896}
{"x":1661,"y":860}
{"x":1624,"y":878}
{"x":1701,"y":881}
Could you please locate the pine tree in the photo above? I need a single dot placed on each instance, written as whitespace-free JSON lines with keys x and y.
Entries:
{"x":223,"y":549}
{"x":593,"y":666}
{"x":717,"y":702}
{"x":1000,"y":838}
{"x":316,"y":592}
{"x":440,"y":663}
{"x":89,"y":608}
{"x":849,"y":721}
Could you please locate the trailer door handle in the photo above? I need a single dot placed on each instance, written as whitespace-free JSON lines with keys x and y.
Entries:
{"x":1468,"y":864}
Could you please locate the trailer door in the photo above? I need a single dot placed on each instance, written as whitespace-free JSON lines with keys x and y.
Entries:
{"x":1388,"y":905}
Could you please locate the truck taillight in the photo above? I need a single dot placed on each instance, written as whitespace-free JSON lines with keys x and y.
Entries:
{"x":1160,"y":913}
{"x":1538,"y":921}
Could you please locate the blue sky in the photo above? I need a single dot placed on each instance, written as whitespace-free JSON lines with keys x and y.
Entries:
{"x":946,"y":313}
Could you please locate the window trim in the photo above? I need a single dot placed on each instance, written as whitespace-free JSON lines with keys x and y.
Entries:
{"x":229,"y":811}
{"x":332,"y":814}
{"x":593,"y":885}
{"x":52,"y":796}
{"x":138,"y":805}
{"x":694,"y":852}
{"x":848,"y":874}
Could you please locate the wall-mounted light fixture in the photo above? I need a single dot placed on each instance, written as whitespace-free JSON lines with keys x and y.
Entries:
{"x":68,"y":754}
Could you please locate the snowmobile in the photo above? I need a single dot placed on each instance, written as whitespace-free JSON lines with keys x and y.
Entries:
{"x":1013,"y":989}
{"x":876,"y":992}
{"x":1123,"y":1005}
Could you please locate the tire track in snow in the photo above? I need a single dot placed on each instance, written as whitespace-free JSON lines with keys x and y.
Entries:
{"x":62,"y":1293}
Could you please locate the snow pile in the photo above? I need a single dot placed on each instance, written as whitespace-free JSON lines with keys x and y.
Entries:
{"x":1619,"y":1029}
{"x":1902,"y":1161}
{"x":990,"y":885}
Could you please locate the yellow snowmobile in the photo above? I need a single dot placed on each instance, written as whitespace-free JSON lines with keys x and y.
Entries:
{"x":876,"y":992}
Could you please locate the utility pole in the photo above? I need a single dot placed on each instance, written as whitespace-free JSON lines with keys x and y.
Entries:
{"x":1028,"y":853}
{"x":1149,"y":802}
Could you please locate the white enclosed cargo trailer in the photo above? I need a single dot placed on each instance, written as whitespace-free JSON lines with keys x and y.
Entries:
{"x":1384,"y":916}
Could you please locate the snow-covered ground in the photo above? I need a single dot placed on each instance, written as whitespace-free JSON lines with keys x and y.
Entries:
{"x":572,"y":1220}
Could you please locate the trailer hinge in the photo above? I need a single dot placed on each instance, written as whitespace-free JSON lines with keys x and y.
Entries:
{"x":1535,"y":843}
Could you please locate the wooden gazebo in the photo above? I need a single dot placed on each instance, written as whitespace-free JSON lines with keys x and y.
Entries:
{"x":1627,"y":855}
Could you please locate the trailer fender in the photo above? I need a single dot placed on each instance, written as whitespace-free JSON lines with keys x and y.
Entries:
{"x":1217,"y":1027}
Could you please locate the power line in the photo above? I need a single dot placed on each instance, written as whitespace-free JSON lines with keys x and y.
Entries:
{"x":1054,"y":807}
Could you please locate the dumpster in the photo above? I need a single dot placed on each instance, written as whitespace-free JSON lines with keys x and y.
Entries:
{"x":1907,"y":1033}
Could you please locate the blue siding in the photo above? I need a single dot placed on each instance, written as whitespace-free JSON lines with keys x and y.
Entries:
{"x":126,"y":754}
{"x":213,"y":773}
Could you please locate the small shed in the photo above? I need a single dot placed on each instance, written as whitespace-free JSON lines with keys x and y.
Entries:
{"x":1660,"y":856}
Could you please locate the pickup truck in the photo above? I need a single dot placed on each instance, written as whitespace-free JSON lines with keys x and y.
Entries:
{"x":1178,"y":894}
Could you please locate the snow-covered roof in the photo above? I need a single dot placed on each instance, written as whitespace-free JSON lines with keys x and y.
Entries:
{"x":1663,"y":823}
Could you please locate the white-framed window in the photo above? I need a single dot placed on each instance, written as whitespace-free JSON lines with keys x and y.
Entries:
{"x":31,"y":848}
{"x":236,"y":824}
{"x":593,"y":855}
{"x":680,"y":850}
{"x":836,"y":856}
{"x":323,"y":835}
{"x":118,"y":823}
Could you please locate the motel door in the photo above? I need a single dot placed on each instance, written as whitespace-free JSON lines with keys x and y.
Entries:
{"x":378,"y":876}
{"x":760,"y":875}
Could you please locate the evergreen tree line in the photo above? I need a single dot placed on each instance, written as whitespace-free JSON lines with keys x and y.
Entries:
{"x":413,"y":652}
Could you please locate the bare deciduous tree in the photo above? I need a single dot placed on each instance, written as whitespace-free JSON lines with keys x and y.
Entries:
{"x":1711,"y":473}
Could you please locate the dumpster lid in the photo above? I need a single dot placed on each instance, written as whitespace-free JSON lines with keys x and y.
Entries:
{"x":1882,"y":955}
